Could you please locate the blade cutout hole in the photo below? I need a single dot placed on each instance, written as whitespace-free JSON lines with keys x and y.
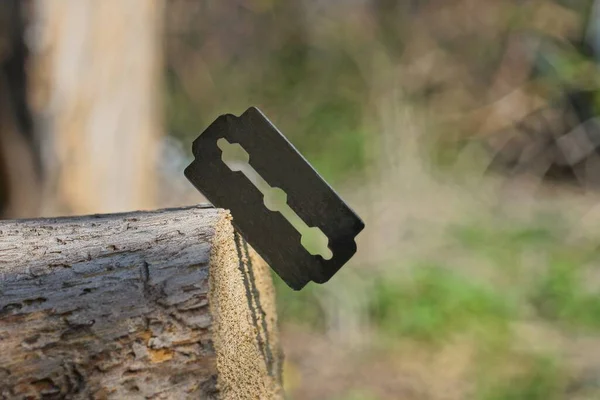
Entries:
{"x":275,"y":199}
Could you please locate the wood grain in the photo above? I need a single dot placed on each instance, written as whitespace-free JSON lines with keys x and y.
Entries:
{"x":169,"y":304}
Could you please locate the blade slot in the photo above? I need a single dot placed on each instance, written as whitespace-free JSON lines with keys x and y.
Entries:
{"x":275,"y":199}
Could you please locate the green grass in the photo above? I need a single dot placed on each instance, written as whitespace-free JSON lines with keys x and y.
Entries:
{"x":429,"y":305}
{"x":357,"y":395}
{"x":559,"y":297}
{"x":435,"y":303}
{"x":529,"y":274}
{"x":501,"y":243}
{"x":541,"y":380}
{"x":556,"y":292}
{"x":431,"y":302}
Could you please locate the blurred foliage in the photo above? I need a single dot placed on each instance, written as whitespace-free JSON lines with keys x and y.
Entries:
{"x":320,"y":71}
{"x":357,"y":395}
{"x":503,"y":245}
{"x":556,"y":293}
{"x":560,"y":296}
{"x":435,"y":303}
{"x":301,"y":307}
{"x":315,"y":68}
{"x":314,"y":92}
{"x":541,"y":380}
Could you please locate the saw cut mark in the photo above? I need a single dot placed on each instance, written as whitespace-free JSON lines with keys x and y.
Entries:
{"x":238,"y":160}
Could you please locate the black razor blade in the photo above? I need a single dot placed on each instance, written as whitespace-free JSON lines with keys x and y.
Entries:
{"x":268,"y":169}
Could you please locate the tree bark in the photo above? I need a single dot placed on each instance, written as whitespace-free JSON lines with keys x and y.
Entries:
{"x":171,"y":304}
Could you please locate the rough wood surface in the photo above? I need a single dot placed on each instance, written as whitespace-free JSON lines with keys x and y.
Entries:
{"x":149,"y":305}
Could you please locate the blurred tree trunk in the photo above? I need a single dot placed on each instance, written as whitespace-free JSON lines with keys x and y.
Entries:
{"x":96,"y":88}
{"x":19,"y":161}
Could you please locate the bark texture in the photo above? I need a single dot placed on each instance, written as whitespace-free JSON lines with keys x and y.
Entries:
{"x":170,"y":304}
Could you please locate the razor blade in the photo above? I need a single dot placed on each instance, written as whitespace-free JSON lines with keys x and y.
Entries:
{"x":279,"y":203}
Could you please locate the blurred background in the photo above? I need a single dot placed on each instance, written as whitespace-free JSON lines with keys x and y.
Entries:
{"x":464,"y":132}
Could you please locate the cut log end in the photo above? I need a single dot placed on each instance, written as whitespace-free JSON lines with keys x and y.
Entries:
{"x":167,"y":304}
{"x":242,"y":303}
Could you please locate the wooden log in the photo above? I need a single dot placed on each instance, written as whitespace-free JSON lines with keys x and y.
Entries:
{"x":170,"y":304}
